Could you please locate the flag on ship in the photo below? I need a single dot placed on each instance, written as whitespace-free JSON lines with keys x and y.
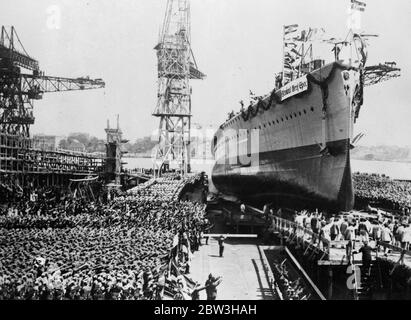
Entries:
{"x":290,"y":44}
{"x":358,"y":5}
{"x":290,"y":29}
{"x":315,"y":34}
{"x":302,"y":37}
{"x":289,"y":59}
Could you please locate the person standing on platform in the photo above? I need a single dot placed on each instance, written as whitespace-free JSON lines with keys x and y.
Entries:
{"x":386,"y":237}
{"x":335,"y":230}
{"x":350,"y":236}
{"x":366,"y":256}
{"x":221,"y":245}
{"x":407,"y":237}
{"x":343,"y":227}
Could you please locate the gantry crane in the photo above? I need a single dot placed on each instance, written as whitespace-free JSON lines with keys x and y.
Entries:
{"x":22,"y":82}
{"x":176,"y":67}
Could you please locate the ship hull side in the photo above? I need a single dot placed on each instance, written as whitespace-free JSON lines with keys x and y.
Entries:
{"x":298,"y":177}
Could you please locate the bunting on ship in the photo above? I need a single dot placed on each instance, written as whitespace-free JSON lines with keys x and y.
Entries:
{"x":358,"y":5}
{"x":294,"y":87}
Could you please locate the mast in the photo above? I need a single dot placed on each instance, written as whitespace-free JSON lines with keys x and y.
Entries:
{"x":283,"y":78}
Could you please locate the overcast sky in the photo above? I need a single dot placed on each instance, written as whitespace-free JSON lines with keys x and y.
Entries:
{"x":237,"y":43}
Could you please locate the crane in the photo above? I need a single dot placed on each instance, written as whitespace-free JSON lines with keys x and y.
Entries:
{"x":22,"y":82}
{"x":176,"y":67}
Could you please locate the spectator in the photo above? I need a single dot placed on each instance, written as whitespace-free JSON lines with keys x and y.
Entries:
{"x":343,"y":227}
{"x":211,"y":287}
{"x":350,"y":236}
{"x":221,"y":245}
{"x":366,"y":257}
{"x":407,"y":237}
{"x":386,"y":237}
{"x":401,"y":236}
{"x":335,"y":230}
{"x":83,"y":257}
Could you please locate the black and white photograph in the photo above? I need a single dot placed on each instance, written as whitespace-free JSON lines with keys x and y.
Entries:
{"x":230,"y":151}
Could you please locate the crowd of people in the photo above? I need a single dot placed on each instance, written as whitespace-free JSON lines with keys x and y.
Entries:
{"x":380,"y":189}
{"x":80,"y":250}
{"x":389,"y":229}
{"x":291,"y":289}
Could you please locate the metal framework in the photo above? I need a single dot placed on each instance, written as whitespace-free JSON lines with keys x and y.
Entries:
{"x":22,"y":82}
{"x":18,"y":90}
{"x":176,"y":66}
{"x":21,"y":165}
{"x":113,"y":165}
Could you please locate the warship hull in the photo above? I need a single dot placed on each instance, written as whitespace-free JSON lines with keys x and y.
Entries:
{"x":302,"y":157}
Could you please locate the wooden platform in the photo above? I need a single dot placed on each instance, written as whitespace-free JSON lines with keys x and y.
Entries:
{"x":333,"y":252}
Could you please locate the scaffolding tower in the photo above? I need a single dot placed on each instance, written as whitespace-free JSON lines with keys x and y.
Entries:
{"x":22,"y":82}
{"x":114,"y":153}
{"x":176,"y":66}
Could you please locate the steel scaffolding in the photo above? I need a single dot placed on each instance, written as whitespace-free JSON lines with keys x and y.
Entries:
{"x":176,"y":66}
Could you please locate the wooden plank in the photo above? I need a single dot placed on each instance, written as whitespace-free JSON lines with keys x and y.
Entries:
{"x":341,"y":262}
{"x":394,"y":248}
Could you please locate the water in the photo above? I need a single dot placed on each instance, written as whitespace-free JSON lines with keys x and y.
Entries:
{"x":147,"y":163}
{"x":395,"y":170}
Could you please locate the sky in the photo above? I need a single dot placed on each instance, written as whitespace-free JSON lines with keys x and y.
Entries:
{"x":237,"y":44}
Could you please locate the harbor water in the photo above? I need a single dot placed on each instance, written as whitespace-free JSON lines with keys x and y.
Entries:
{"x":395,"y":170}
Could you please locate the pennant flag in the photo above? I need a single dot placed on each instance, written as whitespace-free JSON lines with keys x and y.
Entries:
{"x":290,"y":29}
{"x":289,"y":59}
{"x":290,"y":45}
{"x":358,"y":5}
{"x":315,"y":34}
{"x":292,"y":26}
{"x":302,"y":37}
{"x":287,"y":66}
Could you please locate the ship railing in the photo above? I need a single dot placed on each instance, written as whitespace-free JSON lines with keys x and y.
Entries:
{"x":395,"y":249}
{"x":294,"y":231}
{"x":302,"y":235}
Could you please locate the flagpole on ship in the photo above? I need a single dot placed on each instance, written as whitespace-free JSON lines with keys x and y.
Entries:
{"x":282,"y":77}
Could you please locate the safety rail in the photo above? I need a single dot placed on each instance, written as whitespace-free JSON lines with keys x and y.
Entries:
{"x":269,"y":273}
{"x":402,"y":252}
{"x":303,"y":235}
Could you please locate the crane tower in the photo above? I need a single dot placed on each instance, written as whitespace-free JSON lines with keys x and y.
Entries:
{"x":176,"y":67}
{"x":22,"y":82}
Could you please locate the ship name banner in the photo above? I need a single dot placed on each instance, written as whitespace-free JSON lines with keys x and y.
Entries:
{"x":294,"y":87}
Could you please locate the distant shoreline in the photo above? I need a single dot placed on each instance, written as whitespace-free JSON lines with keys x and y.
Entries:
{"x":379,"y":160}
{"x":136,"y":155}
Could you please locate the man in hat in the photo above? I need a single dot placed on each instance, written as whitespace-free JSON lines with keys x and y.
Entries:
{"x":366,"y":256}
